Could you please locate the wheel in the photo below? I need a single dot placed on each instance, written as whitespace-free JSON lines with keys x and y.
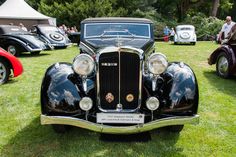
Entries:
{"x":222,"y":65}
{"x":61,"y":129}
{"x":175,"y":43}
{"x":193,"y":43}
{"x":175,"y":128}
{"x":35,"y":53}
{"x":4,"y":71}
{"x":13,"y":50}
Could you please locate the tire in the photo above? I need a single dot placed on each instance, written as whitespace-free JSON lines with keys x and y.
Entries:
{"x":175,"y":43}
{"x":4,"y":71}
{"x":35,"y":53}
{"x":175,"y":128}
{"x":193,"y":43}
{"x":60,"y":129}
{"x":222,"y":65}
{"x":13,"y":49}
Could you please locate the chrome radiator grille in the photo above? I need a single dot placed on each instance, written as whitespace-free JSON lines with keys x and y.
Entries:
{"x":119,"y":80}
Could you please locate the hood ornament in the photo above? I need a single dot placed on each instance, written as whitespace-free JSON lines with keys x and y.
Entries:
{"x":119,"y":42}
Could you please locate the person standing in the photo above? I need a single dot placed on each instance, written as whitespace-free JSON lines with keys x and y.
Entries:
{"x":226,"y":28}
{"x":166,"y":32}
{"x":23,"y":27}
{"x":172,"y":34}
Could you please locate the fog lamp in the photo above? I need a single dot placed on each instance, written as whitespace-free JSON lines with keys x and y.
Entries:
{"x":86,"y":103}
{"x":152,"y":103}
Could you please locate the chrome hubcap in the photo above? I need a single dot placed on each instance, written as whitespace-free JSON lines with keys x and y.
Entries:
{"x":3,"y":72}
{"x":223,"y":65}
{"x":11,"y":49}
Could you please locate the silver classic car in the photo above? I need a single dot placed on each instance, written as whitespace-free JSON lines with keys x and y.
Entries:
{"x":185,"y":34}
{"x":119,"y":84}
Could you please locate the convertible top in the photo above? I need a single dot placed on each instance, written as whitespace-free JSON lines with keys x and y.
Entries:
{"x":116,"y":19}
{"x":4,"y":29}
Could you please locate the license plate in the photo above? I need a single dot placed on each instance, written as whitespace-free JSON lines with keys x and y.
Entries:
{"x":126,"y":118}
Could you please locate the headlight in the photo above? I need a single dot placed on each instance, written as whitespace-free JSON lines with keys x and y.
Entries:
{"x":157,"y":63}
{"x":83,"y":64}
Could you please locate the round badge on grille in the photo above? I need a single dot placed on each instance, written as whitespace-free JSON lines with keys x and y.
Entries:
{"x":109,"y":97}
{"x":130,"y":97}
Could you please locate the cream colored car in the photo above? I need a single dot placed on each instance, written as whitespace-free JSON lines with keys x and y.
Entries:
{"x":185,"y":34}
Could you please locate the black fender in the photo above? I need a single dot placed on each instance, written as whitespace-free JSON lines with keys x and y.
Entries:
{"x":10,"y":40}
{"x":227,"y":49}
{"x":59,"y":92}
{"x":177,"y":90}
{"x":184,"y":94}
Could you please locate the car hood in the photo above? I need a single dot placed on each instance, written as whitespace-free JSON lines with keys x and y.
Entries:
{"x":140,"y":43}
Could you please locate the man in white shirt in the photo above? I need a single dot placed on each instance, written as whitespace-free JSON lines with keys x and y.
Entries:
{"x":226,"y":27}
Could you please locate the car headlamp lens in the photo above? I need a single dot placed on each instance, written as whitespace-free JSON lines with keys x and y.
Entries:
{"x":157,"y":63}
{"x":83,"y":64}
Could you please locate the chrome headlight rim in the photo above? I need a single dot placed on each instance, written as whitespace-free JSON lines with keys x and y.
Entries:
{"x":153,"y":55}
{"x":83,"y":56}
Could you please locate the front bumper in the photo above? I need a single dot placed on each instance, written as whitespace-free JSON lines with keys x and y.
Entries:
{"x":178,"y":120}
{"x":61,"y":44}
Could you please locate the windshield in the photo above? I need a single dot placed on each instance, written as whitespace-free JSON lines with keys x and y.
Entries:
{"x":117,"y":29}
{"x":48,"y":29}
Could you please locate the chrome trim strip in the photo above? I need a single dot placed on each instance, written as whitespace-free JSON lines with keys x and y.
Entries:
{"x":178,"y":120}
{"x":120,"y":49}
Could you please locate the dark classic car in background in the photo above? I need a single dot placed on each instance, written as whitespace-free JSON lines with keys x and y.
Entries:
{"x":225,"y":57}
{"x":52,"y":35}
{"x":8,"y":63}
{"x":15,"y":40}
{"x":119,"y":84}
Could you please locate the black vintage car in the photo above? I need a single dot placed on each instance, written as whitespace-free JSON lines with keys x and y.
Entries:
{"x":52,"y":35}
{"x":119,"y":84}
{"x":15,"y":40}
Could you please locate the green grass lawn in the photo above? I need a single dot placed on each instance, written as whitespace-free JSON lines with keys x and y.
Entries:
{"x":22,"y":135}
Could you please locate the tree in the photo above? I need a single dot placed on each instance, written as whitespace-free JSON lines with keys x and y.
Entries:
{"x":215,"y":6}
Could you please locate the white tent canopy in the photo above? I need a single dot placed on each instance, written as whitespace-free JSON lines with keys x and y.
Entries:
{"x":16,"y":11}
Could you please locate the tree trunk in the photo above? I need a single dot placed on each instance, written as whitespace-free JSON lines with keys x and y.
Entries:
{"x":215,"y":6}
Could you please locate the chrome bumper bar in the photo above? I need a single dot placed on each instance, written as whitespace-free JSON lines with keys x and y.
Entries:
{"x":178,"y":120}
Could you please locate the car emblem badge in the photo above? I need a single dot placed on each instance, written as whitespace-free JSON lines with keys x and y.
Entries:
{"x":109,"y":97}
{"x":130,"y":97}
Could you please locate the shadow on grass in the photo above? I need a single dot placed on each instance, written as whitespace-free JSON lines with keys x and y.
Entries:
{"x":28,"y":55}
{"x":225,"y":85}
{"x":37,"y":140}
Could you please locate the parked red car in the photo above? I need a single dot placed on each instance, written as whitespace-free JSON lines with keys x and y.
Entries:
{"x":8,"y":64}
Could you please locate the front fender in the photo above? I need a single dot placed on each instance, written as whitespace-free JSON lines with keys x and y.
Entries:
{"x":227,"y":50}
{"x":183,"y":95}
{"x":59,"y":94}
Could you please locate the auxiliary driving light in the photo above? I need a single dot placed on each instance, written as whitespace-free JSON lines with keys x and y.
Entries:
{"x":152,"y":103}
{"x":86,"y":103}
